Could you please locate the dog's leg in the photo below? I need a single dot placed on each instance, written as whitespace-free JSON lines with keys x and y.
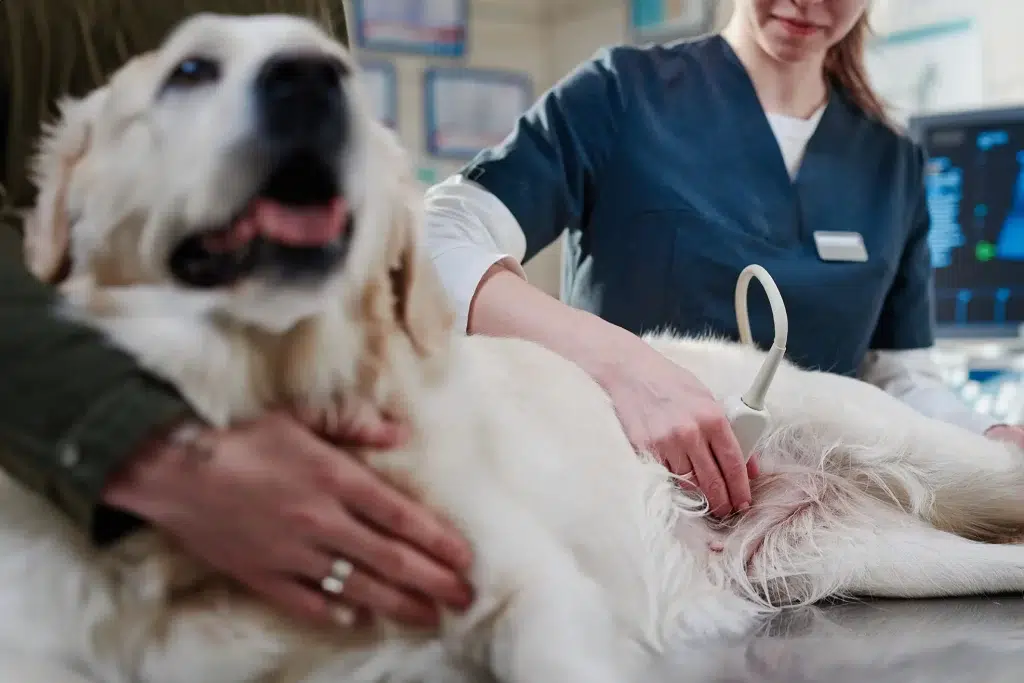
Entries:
{"x":956,"y":480}
{"x":539,"y":618}
{"x":557,"y":630}
{"x":918,"y":561}
{"x":815,"y":535}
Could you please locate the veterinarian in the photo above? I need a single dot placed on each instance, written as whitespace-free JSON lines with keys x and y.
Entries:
{"x":672,"y":168}
{"x":271,"y":503}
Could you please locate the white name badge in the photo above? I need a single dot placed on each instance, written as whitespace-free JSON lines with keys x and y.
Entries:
{"x":847,"y":247}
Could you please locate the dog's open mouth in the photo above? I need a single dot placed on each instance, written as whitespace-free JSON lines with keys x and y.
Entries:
{"x":295,"y":228}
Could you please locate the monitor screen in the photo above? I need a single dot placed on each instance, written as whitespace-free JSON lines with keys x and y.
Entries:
{"x":975,"y":191}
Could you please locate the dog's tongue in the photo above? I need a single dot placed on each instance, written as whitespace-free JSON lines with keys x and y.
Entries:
{"x":311,"y":226}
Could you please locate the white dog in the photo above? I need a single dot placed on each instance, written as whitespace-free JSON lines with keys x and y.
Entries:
{"x":165,"y":211}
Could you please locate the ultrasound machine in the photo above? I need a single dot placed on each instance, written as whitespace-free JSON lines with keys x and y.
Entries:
{"x":974,"y":185}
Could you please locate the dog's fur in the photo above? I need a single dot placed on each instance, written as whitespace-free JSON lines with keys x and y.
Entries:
{"x":587,"y":557}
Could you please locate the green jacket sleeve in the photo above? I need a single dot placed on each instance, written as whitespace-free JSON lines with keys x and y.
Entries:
{"x":72,"y":407}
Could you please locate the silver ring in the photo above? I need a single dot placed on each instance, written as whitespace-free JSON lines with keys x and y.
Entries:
{"x":334,"y":583}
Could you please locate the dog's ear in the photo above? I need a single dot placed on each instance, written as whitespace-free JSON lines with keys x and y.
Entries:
{"x":64,"y":144}
{"x":422,"y":307}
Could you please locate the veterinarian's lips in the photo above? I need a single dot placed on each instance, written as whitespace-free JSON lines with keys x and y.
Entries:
{"x":797,"y":27}
{"x":305,"y":226}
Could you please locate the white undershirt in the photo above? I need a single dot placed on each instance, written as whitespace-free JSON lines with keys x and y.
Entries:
{"x":469,"y":230}
{"x":792,"y":134}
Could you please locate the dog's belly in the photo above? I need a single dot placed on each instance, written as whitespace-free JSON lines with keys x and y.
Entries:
{"x":550,"y":457}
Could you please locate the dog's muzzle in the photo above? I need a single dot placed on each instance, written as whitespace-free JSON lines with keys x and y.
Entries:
{"x":297,"y":226}
{"x":300,"y":105}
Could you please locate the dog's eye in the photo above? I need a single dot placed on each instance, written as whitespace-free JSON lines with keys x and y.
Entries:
{"x":193,"y":72}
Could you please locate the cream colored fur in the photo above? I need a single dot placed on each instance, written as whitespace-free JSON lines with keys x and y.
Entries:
{"x":588,"y":558}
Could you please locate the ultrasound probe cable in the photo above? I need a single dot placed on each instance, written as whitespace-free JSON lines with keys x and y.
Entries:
{"x":747,"y":413}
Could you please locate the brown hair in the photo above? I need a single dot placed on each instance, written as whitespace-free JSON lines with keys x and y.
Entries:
{"x":844,"y":66}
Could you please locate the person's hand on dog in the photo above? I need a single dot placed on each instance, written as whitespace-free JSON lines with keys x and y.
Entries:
{"x":1010,"y":433}
{"x":666,"y":410}
{"x":274,"y":506}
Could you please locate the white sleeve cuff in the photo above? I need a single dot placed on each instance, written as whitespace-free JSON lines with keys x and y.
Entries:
{"x":914,"y":377}
{"x":461,"y":268}
{"x":468,"y":230}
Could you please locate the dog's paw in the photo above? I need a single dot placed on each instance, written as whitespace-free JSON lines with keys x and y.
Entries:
{"x":353,"y":420}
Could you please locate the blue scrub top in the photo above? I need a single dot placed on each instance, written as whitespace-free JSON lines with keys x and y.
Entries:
{"x":661,"y":164}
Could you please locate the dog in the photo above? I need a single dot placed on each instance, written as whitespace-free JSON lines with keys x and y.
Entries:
{"x":589,"y":559}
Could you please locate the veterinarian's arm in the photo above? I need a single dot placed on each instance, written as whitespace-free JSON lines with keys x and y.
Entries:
{"x":72,"y":408}
{"x":900,"y":361}
{"x":915,"y":377}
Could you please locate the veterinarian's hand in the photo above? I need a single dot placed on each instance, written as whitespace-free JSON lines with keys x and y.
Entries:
{"x":1011,"y":433}
{"x":666,"y":410}
{"x":274,"y":506}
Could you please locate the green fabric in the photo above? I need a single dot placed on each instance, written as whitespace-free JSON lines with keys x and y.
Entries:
{"x":72,"y":408}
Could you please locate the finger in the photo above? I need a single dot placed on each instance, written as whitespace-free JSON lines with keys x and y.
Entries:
{"x":382,"y":433}
{"x":373,"y":499}
{"x":688,"y":481}
{"x":667,"y":451}
{"x":753,"y":468}
{"x":709,"y":478}
{"x":298,"y":600}
{"x":398,"y":563}
{"x":364,"y":590}
{"x":303,"y":558}
{"x":729,"y":456}
{"x":675,"y":459}
{"x":361,"y":425}
{"x":678,"y":463}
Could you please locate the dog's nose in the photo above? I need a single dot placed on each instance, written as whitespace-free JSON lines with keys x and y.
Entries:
{"x":301,"y":102}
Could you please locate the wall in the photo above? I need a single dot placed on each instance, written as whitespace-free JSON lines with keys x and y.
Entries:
{"x":999,"y":22}
{"x":503,"y":34}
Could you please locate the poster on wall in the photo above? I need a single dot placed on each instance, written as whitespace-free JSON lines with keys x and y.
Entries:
{"x":664,"y":20}
{"x":928,"y":68}
{"x":380,"y":82}
{"x":467,"y":110}
{"x":429,"y":27}
{"x":426,"y":175}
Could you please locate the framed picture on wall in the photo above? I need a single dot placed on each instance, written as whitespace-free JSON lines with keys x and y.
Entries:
{"x":664,"y":20}
{"x":428,"y":27}
{"x":427,"y":175}
{"x":380,"y":82}
{"x":467,"y":110}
